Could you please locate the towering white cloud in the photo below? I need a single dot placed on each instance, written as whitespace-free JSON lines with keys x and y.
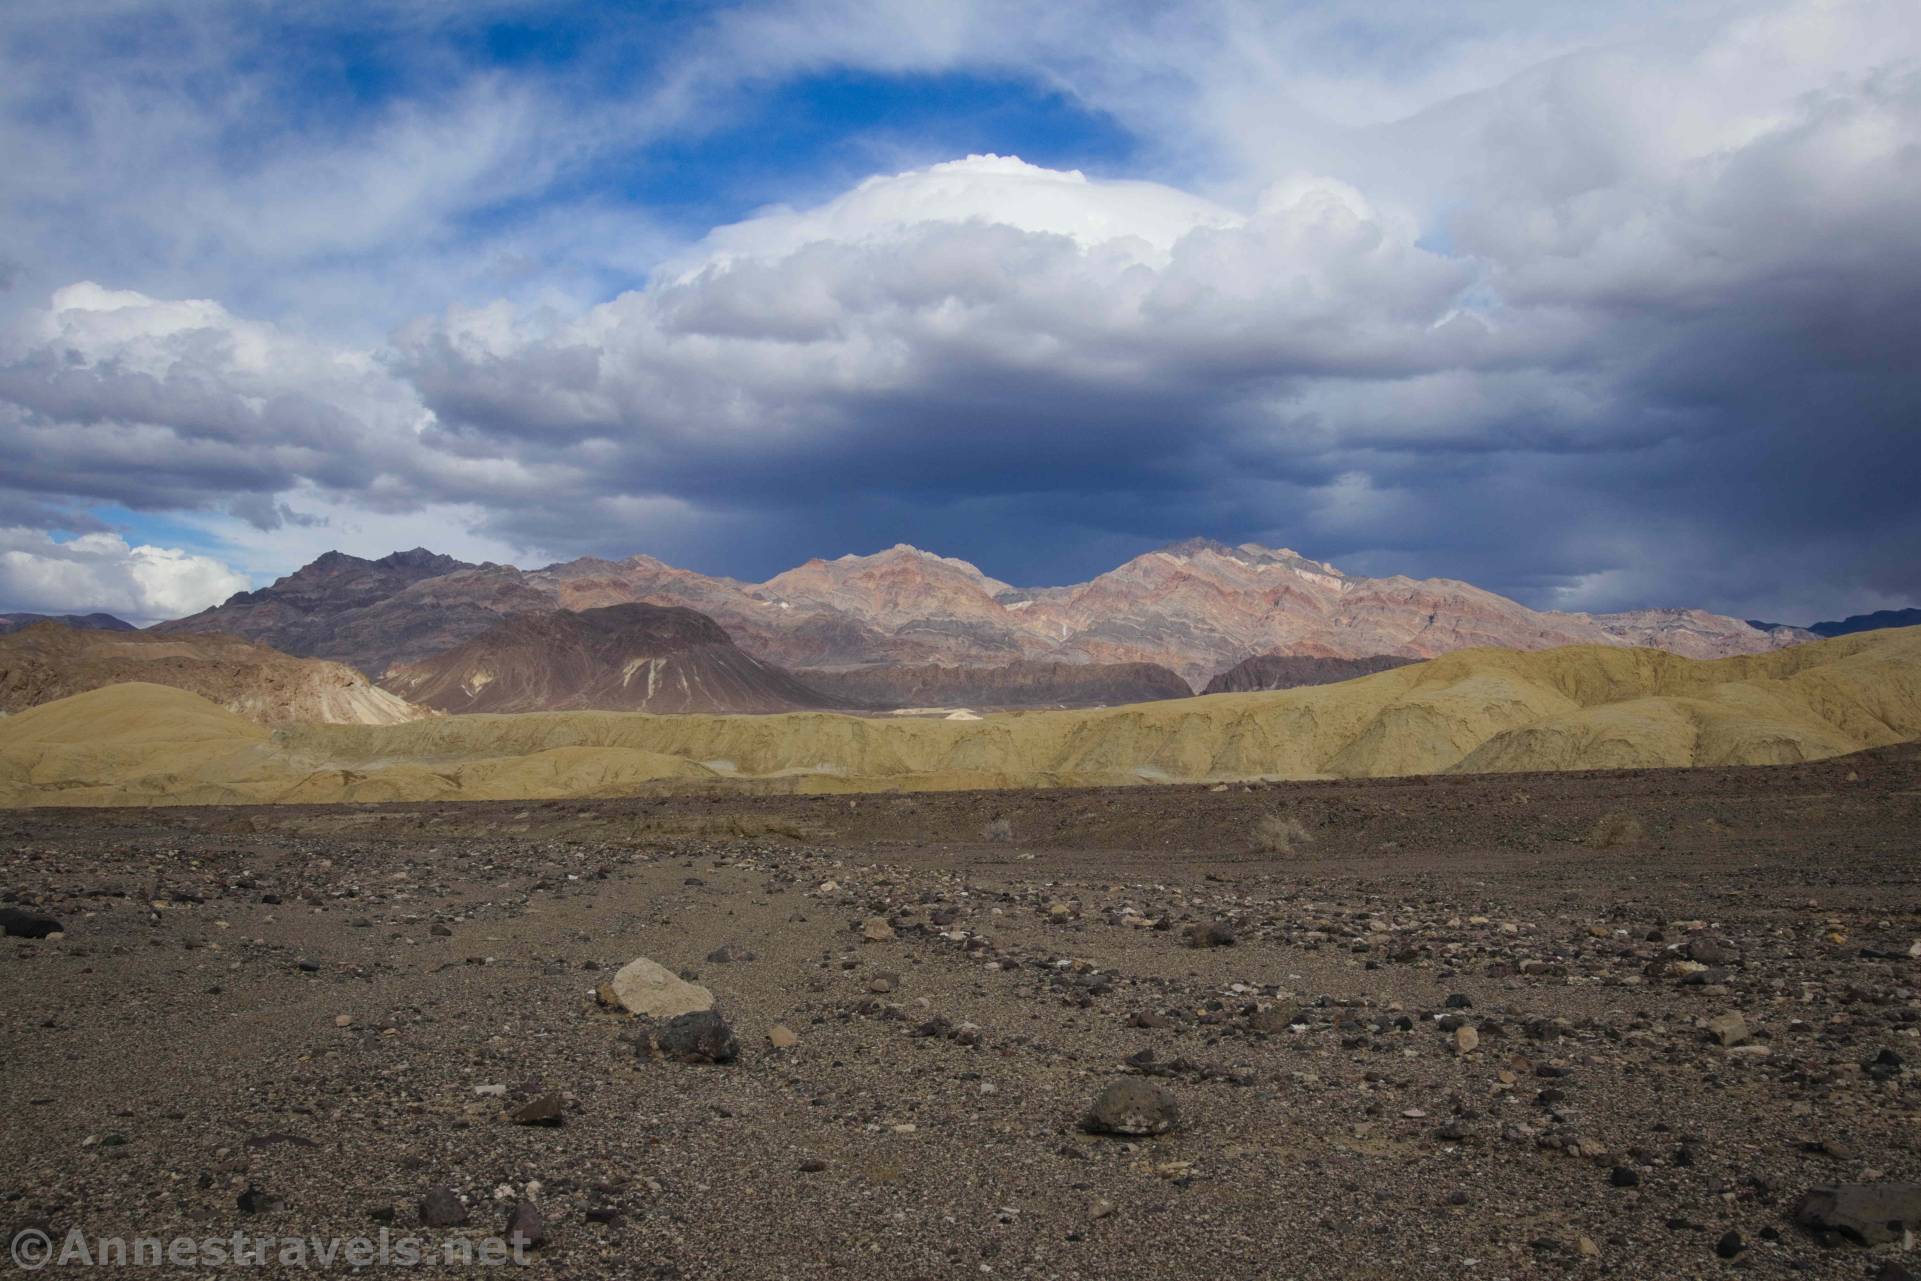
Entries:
{"x":102,"y":572}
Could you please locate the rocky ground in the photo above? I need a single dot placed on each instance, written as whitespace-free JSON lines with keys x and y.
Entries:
{"x":1535,"y":1026}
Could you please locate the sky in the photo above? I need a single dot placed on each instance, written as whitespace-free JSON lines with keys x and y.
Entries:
{"x":1599,"y":306}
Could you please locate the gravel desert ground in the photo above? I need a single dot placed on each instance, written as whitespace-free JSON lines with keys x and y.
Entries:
{"x":1604,"y":1024}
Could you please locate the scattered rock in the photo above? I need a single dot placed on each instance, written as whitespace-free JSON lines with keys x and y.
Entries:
{"x":15,"y":923}
{"x":644,"y":987}
{"x":526,"y":1229}
{"x":1216,"y":934}
{"x":1884,"y":1066}
{"x":782,"y":1037}
{"x":698,"y":1037}
{"x":254,"y":1201}
{"x":1864,"y":1213}
{"x":543,"y":1109}
{"x":279,"y":1137}
{"x":875,"y":929}
{"x":441,"y":1208}
{"x":1728,"y":1029}
{"x":1709,"y":951}
{"x":1133,"y":1106}
{"x":1270,"y":1020}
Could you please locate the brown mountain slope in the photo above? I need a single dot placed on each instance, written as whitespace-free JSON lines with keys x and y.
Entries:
{"x":363,"y":613}
{"x":633,"y":657}
{"x":48,"y":662}
{"x":1196,"y":608}
{"x":10,"y":623}
{"x":1028,"y":683}
{"x":1290,"y":671}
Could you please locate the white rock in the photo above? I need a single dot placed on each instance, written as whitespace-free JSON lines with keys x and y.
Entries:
{"x":643,"y":987}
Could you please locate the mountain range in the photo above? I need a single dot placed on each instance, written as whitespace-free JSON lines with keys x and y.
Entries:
{"x":1879,"y":620}
{"x":1197,"y":607}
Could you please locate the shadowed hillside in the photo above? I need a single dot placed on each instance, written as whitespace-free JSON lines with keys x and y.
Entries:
{"x":637,"y":658}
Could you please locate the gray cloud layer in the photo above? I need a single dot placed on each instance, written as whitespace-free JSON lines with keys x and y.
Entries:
{"x":1631,"y":324}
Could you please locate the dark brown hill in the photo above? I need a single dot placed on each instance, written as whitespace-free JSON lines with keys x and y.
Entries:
{"x":629,"y":658}
{"x":1023,"y":684}
{"x":10,"y":623}
{"x":366,"y":613}
{"x":1286,"y":671}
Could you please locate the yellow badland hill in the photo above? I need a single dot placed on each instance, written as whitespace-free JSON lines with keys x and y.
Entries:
{"x":1474,"y":710}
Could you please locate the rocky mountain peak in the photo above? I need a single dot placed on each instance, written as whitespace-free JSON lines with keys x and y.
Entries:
{"x":420,"y":559}
{"x":1247,"y":554}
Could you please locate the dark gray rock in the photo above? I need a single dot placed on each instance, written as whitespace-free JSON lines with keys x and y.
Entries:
{"x":255,"y":1201}
{"x":441,"y":1208}
{"x":526,"y":1229}
{"x":1884,"y":1066}
{"x":542,"y":1109}
{"x":19,"y":924}
{"x":1864,"y":1213}
{"x":700,"y":1037}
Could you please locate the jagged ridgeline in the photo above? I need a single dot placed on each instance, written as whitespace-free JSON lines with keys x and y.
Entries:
{"x":1196,"y":608}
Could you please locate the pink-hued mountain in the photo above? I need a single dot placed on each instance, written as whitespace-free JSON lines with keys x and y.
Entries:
{"x":1197,"y":607}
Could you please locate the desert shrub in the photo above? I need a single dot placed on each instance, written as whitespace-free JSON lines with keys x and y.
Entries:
{"x":998,"y":830}
{"x":1615,"y":830}
{"x":1280,"y":834}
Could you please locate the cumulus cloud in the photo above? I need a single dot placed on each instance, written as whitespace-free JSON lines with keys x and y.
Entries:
{"x":109,"y":396}
{"x":102,"y":572}
{"x":1592,"y":310}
